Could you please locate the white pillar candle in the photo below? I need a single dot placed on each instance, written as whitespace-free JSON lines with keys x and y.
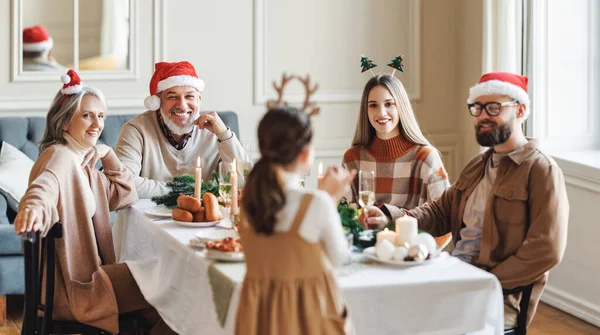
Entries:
{"x":386,"y":234}
{"x":198,"y":183}
{"x":234,"y":189}
{"x":406,"y":229}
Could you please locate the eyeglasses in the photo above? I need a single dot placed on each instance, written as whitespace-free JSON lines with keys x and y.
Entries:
{"x":492,"y":108}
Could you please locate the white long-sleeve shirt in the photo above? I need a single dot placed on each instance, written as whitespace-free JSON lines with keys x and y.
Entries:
{"x":321,"y":223}
{"x":144,"y":150}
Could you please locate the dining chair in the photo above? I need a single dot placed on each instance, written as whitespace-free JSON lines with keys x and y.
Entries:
{"x":521,"y":326}
{"x":33,"y":324}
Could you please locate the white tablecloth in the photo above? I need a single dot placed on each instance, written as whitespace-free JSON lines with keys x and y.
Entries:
{"x":445,"y":297}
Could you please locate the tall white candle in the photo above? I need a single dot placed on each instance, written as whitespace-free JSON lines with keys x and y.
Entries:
{"x":198,"y":184}
{"x":234,"y":188}
{"x":406,"y":229}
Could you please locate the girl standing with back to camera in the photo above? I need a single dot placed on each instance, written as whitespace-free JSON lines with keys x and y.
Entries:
{"x":292,"y":236}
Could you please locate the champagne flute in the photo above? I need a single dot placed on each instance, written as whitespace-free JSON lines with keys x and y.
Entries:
{"x":225,"y":186}
{"x":366,"y":188}
{"x":245,"y":164}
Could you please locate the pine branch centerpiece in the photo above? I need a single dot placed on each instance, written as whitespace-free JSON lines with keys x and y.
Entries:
{"x":184,"y":184}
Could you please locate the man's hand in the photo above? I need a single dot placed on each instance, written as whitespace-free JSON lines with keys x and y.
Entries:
{"x":27,"y":221}
{"x":372,"y":216}
{"x":336,"y":182}
{"x":212,"y":122}
{"x":100,"y":151}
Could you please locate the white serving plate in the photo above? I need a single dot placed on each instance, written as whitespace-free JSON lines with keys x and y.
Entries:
{"x":161,"y":211}
{"x":226,"y":256}
{"x":216,"y":234}
{"x":197,"y":224}
{"x":370,"y":253}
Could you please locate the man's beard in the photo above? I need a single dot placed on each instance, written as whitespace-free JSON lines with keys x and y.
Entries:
{"x":174,"y":127}
{"x":497,"y":135}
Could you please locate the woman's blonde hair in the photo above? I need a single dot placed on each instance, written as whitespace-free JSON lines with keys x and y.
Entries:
{"x":61,"y":112}
{"x":408,"y":125}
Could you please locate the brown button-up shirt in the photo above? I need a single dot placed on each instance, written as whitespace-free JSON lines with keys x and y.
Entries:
{"x":524,"y":231}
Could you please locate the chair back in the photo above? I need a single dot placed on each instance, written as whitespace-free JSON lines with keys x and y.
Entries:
{"x":34,"y":275}
{"x":521,"y":327}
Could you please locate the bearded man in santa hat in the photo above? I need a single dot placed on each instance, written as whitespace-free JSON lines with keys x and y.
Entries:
{"x":167,"y":139}
{"x":37,"y":50}
{"x":508,"y":211}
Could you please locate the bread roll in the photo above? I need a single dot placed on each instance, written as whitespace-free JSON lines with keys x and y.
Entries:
{"x":188,"y":203}
{"x":182,"y":215}
{"x":211,"y":207}
{"x":199,"y":216}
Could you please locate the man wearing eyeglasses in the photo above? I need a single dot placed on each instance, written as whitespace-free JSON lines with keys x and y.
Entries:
{"x":508,"y":211}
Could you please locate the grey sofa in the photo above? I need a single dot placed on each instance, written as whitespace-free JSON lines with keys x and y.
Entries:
{"x":24,"y":133}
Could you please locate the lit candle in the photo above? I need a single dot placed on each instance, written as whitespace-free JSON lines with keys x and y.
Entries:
{"x":386,"y":234}
{"x":320,"y":173}
{"x":198,"y":185}
{"x":234,"y":188}
{"x":406,"y":228}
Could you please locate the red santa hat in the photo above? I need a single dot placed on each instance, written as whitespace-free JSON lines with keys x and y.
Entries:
{"x":502,"y":83}
{"x":72,"y":83}
{"x":167,"y":75}
{"x":36,"y":39}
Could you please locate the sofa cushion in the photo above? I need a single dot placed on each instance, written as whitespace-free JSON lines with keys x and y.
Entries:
{"x":15,"y":167}
{"x":23,"y":133}
{"x":12,"y":269}
{"x":10,"y":242}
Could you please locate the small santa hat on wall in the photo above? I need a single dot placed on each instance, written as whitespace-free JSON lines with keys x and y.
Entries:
{"x":36,"y":39}
{"x":167,"y":75}
{"x":502,"y":83}
{"x":72,"y":83}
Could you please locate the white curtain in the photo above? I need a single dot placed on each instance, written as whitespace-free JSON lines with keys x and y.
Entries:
{"x":503,"y":35}
{"x":115,"y":30}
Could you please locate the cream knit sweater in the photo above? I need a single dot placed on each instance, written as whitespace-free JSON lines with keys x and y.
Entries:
{"x":144,"y":149}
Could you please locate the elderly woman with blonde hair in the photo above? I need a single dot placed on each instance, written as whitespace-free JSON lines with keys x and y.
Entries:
{"x":64,"y":186}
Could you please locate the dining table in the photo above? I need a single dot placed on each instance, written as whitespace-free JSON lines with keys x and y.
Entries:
{"x":195,"y":294}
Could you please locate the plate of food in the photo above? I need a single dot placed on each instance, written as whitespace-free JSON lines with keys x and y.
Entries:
{"x":228,"y":249}
{"x":192,"y":212}
{"x":161,"y":211}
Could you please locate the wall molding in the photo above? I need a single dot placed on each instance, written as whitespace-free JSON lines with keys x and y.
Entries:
{"x":159,"y":32}
{"x":39,"y":107}
{"x":572,"y":305}
{"x":262,"y":83}
{"x":17,"y":75}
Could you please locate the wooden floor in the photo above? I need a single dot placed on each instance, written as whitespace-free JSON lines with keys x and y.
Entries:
{"x":547,"y":321}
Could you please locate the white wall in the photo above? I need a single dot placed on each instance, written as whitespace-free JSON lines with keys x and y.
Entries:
{"x":239,"y":47}
{"x":573,"y":284}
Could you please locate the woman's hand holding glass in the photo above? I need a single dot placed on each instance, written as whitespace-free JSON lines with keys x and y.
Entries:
{"x":372,"y":216}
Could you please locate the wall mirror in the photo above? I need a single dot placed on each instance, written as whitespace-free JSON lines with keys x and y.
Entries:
{"x":86,"y":35}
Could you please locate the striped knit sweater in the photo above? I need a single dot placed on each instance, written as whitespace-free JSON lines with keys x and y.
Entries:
{"x":406,"y":175}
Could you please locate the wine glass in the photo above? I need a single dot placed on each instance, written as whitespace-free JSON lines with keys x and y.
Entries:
{"x":225,"y":186}
{"x":366,"y":188}
{"x":245,"y":164}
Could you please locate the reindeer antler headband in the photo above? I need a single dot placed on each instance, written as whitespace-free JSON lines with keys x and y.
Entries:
{"x":308,"y":106}
{"x":396,"y":64}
